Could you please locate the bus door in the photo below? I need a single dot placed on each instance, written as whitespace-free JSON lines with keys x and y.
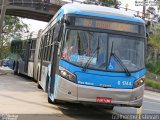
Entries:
{"x":57,"y":37}
{"x":27,"y":55}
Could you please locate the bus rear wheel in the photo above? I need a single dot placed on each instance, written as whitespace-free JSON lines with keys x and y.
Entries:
{"x":15,"y":69}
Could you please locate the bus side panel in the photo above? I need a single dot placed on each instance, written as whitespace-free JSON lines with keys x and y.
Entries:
{"x":43,"y":77}
{"x":30,"y":69}
{"x":21,"y":65}
{"x":36,"y":55}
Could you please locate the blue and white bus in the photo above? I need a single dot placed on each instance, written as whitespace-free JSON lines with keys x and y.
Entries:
{"x":23,"y":55}
{"x":93,"y":54}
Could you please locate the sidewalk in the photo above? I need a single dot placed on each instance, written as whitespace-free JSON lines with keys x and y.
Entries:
{"x":4,"y":70}
{"x":152,"y":89}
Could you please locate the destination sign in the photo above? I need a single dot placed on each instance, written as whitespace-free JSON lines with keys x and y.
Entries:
{"x":125,"y":27}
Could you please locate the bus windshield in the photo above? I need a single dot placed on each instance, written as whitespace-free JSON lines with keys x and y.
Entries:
{"x":81,"y":45}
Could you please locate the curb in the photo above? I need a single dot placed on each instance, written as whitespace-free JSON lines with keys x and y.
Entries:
{"x":152,"y":89}
{"x":2,"y":72}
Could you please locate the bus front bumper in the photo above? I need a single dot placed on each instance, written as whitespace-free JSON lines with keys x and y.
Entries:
{"x":119,"y":97}
{"x":69,"y":91}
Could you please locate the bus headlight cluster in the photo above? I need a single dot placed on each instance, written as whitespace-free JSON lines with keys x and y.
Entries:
{"x":139,"y":82}
{"x":67,"y":75}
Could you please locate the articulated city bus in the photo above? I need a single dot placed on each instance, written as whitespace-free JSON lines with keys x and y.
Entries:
{"x":92,"y":54}
{"x":23,"y":54}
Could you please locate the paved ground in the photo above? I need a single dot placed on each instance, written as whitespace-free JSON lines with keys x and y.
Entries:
{"x":19,"y":95}
{"x":151,"y":105}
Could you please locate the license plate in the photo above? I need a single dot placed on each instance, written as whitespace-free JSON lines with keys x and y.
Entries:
{"x":103,"y":100}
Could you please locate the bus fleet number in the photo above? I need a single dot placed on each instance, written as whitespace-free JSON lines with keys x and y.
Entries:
{"x":126,"y":83}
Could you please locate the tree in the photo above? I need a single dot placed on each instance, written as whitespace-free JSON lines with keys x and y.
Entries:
{"x":158,"y":3}
{"x":108,"y":3}
{"x":151,"y":11}
{"x":154,"y":39}
{"x":13,"y":28}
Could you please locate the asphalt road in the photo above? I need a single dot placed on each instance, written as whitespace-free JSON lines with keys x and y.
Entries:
{"x":150,"y":108}
{"x":21,"y":99}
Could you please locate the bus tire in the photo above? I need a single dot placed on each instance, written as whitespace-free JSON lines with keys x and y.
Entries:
{"x":15,"y":72}
{"x":138,"y":106}
{"x":15,"y":69}
{"x":18,"y":72}
{"x":110,"y":107}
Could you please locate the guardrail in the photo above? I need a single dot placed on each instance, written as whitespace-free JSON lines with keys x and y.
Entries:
{"x":42,"y":10}
{"x":50,"y":5}
{"x":37,"y":4}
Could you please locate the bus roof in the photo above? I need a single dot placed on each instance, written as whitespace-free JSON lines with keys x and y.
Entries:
{"x":92,"y":10}
{"x":99,"y":11}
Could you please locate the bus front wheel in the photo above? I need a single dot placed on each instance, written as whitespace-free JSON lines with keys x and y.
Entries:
{"x":109,"y":107}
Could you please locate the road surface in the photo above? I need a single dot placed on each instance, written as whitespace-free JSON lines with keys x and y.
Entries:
{"x":20,"y":96}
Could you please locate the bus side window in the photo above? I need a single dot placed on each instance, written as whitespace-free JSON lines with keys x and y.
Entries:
{"x":45,"y":47}
{"x":49,"y":45}
{"x":41,"y":48}
{"x":52,"y":42}
{"x":56,"y":33}
{"x":52,"y":35}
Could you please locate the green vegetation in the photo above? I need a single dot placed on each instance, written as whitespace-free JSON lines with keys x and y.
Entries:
{"x":153,"y":67}
{"x":152,"y":83}
{"x":154,"y":39}
{"x":108,"y":3}
{"x":13,"y":28}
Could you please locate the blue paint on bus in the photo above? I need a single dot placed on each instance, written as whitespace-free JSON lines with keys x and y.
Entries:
{"x":69,"y":9}
{"x":97,"y":78}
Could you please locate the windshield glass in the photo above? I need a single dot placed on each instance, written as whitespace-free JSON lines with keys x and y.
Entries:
{"x":81,"y":45}
{"x":130,"y":50}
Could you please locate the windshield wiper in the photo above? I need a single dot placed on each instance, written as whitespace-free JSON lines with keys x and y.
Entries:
{"x":119,"y":61}
{"x":90,"y":59}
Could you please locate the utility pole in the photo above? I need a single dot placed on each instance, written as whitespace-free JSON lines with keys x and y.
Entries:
{"x":144,"y":9}
{"x":3,"y":11}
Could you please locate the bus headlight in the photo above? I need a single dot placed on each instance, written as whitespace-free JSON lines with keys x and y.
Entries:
{"x":139,"y":82}
{"x":67,"y":75}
